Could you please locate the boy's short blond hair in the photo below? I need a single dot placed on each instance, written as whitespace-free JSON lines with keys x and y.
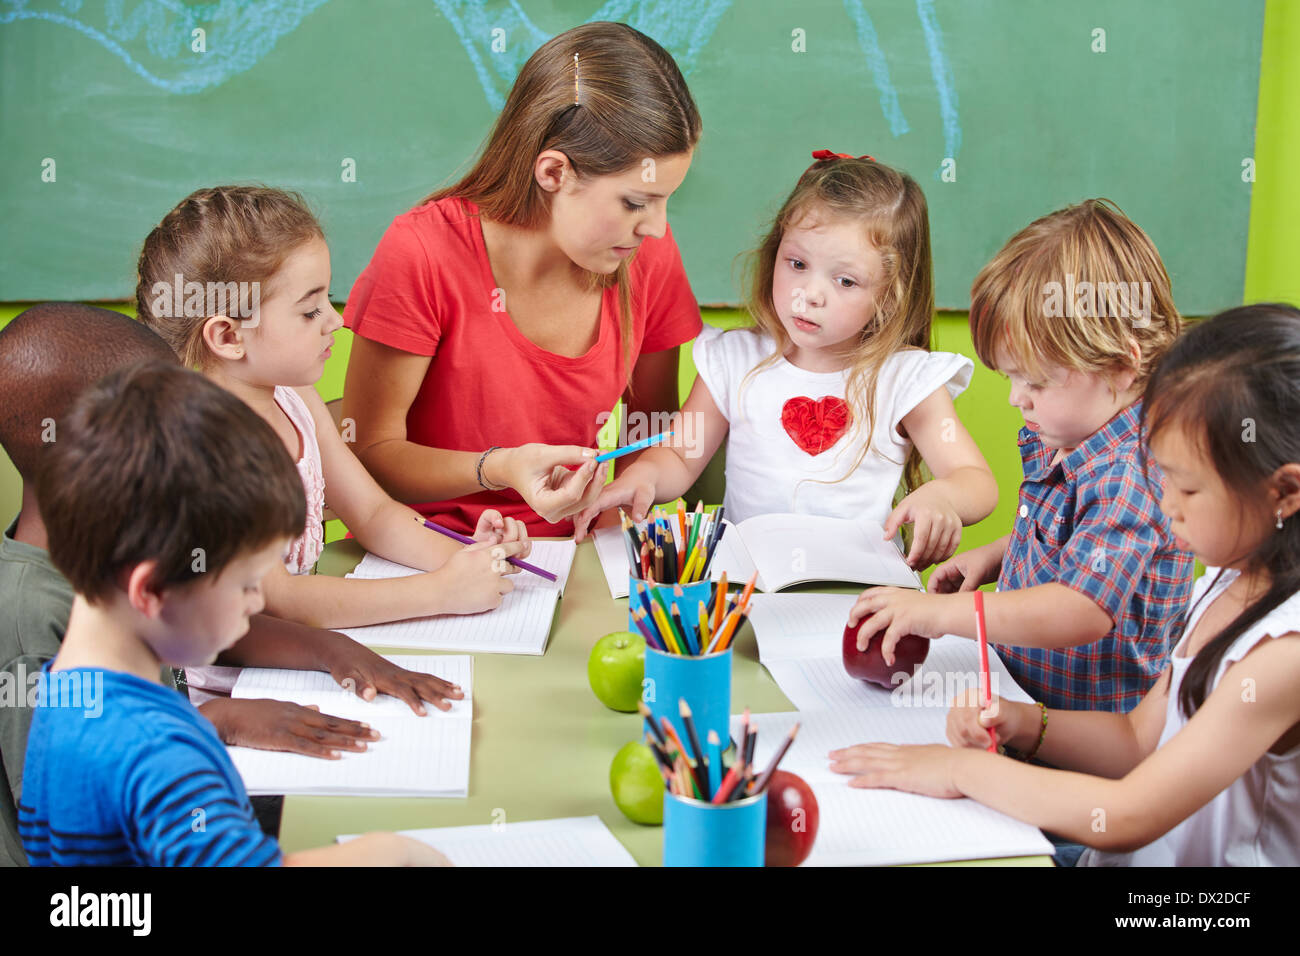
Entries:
{"x":1075,"y":289}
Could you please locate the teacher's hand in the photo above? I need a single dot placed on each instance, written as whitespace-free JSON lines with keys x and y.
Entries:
{"x":542,"y":476}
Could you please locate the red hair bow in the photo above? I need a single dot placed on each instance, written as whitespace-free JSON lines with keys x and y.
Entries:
{"x":820,"y":154}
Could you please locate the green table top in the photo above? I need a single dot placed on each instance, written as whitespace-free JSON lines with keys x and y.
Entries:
{"x":542,"y":742}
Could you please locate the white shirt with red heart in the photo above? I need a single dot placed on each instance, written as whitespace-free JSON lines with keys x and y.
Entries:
{"x":792,"y":436}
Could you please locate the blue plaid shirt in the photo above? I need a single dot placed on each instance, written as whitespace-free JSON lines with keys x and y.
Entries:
{"x":1093,"y":523}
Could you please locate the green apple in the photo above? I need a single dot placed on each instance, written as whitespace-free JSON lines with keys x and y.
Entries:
{"x":637,"y":785}
{"x":616,"y":668}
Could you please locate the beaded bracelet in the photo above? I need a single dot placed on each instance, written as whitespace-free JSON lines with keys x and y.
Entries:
{"x":478,"y":470}
{"x":1042,"y":734}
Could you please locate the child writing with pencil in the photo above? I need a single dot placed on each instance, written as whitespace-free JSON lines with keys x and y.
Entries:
{"x":121,"y":770}
{"x":1205,"y":771}
{"x":834,"y":395}
{"x":1076,"y":309}
{"x":267,"y":240}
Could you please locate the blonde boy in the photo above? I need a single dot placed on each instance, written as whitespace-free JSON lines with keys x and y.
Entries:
{"x":1075,"y":310}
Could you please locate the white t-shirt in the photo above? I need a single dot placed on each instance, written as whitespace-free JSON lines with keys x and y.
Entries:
{"x":1255,"y":820}
{"x":788,"y":425}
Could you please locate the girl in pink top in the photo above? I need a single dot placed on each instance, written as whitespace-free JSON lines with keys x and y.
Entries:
{"x":499,"y":323}
{"x":270,"y":348}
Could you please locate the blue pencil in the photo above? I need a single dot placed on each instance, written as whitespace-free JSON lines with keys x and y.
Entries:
{"x":635,"y":446}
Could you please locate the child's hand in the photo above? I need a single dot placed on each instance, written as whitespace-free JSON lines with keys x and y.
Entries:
{"x":492,"y":528}
{"x":968,"y":726}
{"x":967,"y":571}
{"x":474,"y":579}
{"x":936,"y":526}
{"x":917,"y":769}
{"x":392,"y":849}
{"x":632,"y":489}
{"x":359,"y":669}
{"x":281,"y":725}
{"x":898,"y":612}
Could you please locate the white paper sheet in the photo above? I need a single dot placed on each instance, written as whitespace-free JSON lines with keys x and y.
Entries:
{"x":521,"y":624}
{"x":415,"y":756}
{"x":570,"y":841}
{"x":885,"y":827}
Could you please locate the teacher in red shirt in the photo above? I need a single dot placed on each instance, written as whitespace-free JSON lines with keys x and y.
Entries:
{"x":498,"y":320}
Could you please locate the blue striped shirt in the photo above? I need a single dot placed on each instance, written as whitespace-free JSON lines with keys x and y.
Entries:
{"x":126,"y":772}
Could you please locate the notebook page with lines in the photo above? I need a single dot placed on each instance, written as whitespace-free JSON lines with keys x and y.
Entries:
{"x":521,"y":624}
{"x":415,"y":756}
{"x":885,"y":827}
{"x":800,"y":642}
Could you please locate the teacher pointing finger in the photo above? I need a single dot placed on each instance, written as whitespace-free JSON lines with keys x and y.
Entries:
{"x":499,"y":319}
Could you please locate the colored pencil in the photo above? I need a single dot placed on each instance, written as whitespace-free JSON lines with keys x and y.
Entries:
{"x":986,"y":693}
{"x":635,"y":446}
{"x":721,"y":605}
{"x":715,"y":761}
{"x":643,"y":709}
{"x":766,"y":775}
{"x":463,"y":539}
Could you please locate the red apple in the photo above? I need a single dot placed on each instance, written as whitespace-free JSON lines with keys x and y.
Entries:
{"x":792,"y":818}
{"x":869,"y":665}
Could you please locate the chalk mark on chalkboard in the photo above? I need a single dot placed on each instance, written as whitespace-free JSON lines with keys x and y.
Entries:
{"x":252,"y":30}
{"x":246,"y":32}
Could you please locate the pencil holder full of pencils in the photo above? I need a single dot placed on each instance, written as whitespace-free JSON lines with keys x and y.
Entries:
{"x":699,"y":833}
{"x":703,"y":682}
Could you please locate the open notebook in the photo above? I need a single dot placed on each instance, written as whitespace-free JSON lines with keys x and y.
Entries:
{"x":800,"y":642}
{"x":784,"y":549}
{"x":885,"y":827}
{"x":414,"y":757}
{"x":571,"y":841}
{"x":521,"y":624}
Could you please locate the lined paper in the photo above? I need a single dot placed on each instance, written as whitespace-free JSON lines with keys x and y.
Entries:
{"x":520,"y":624}
{"x":570,"y":841}
{"x":800,"y":642}
{"x":885,"y":827}
{"x":415,"y":756}
{"x":553,"y":556}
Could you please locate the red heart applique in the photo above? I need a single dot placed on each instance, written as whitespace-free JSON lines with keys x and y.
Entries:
{"x":815,"y":426}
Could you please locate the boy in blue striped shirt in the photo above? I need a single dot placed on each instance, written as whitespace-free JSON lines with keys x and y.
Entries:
{"x":166,"y":501}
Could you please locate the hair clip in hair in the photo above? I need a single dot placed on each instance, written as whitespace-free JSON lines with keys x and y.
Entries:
{"x":575,"y":79}
{"x":820,"y":154}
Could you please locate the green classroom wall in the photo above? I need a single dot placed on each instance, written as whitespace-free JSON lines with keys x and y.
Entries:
{"x":1271,"y":274}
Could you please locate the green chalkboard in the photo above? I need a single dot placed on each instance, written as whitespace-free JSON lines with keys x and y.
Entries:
{"x":1002,"y":109}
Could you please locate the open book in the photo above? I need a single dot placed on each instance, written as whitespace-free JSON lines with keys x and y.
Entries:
{"x":521,"y":624}
{"x":785,"y":549}
{"x":414,"y":757}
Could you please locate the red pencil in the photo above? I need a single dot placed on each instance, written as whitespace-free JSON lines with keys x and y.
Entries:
{"x":728,"y":784}
{"x":986,"y":696}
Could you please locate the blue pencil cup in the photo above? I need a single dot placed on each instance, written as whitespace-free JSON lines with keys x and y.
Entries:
{"x":705,"y":683}
{"x":639,"y":593}
{"x":704,"y":834}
